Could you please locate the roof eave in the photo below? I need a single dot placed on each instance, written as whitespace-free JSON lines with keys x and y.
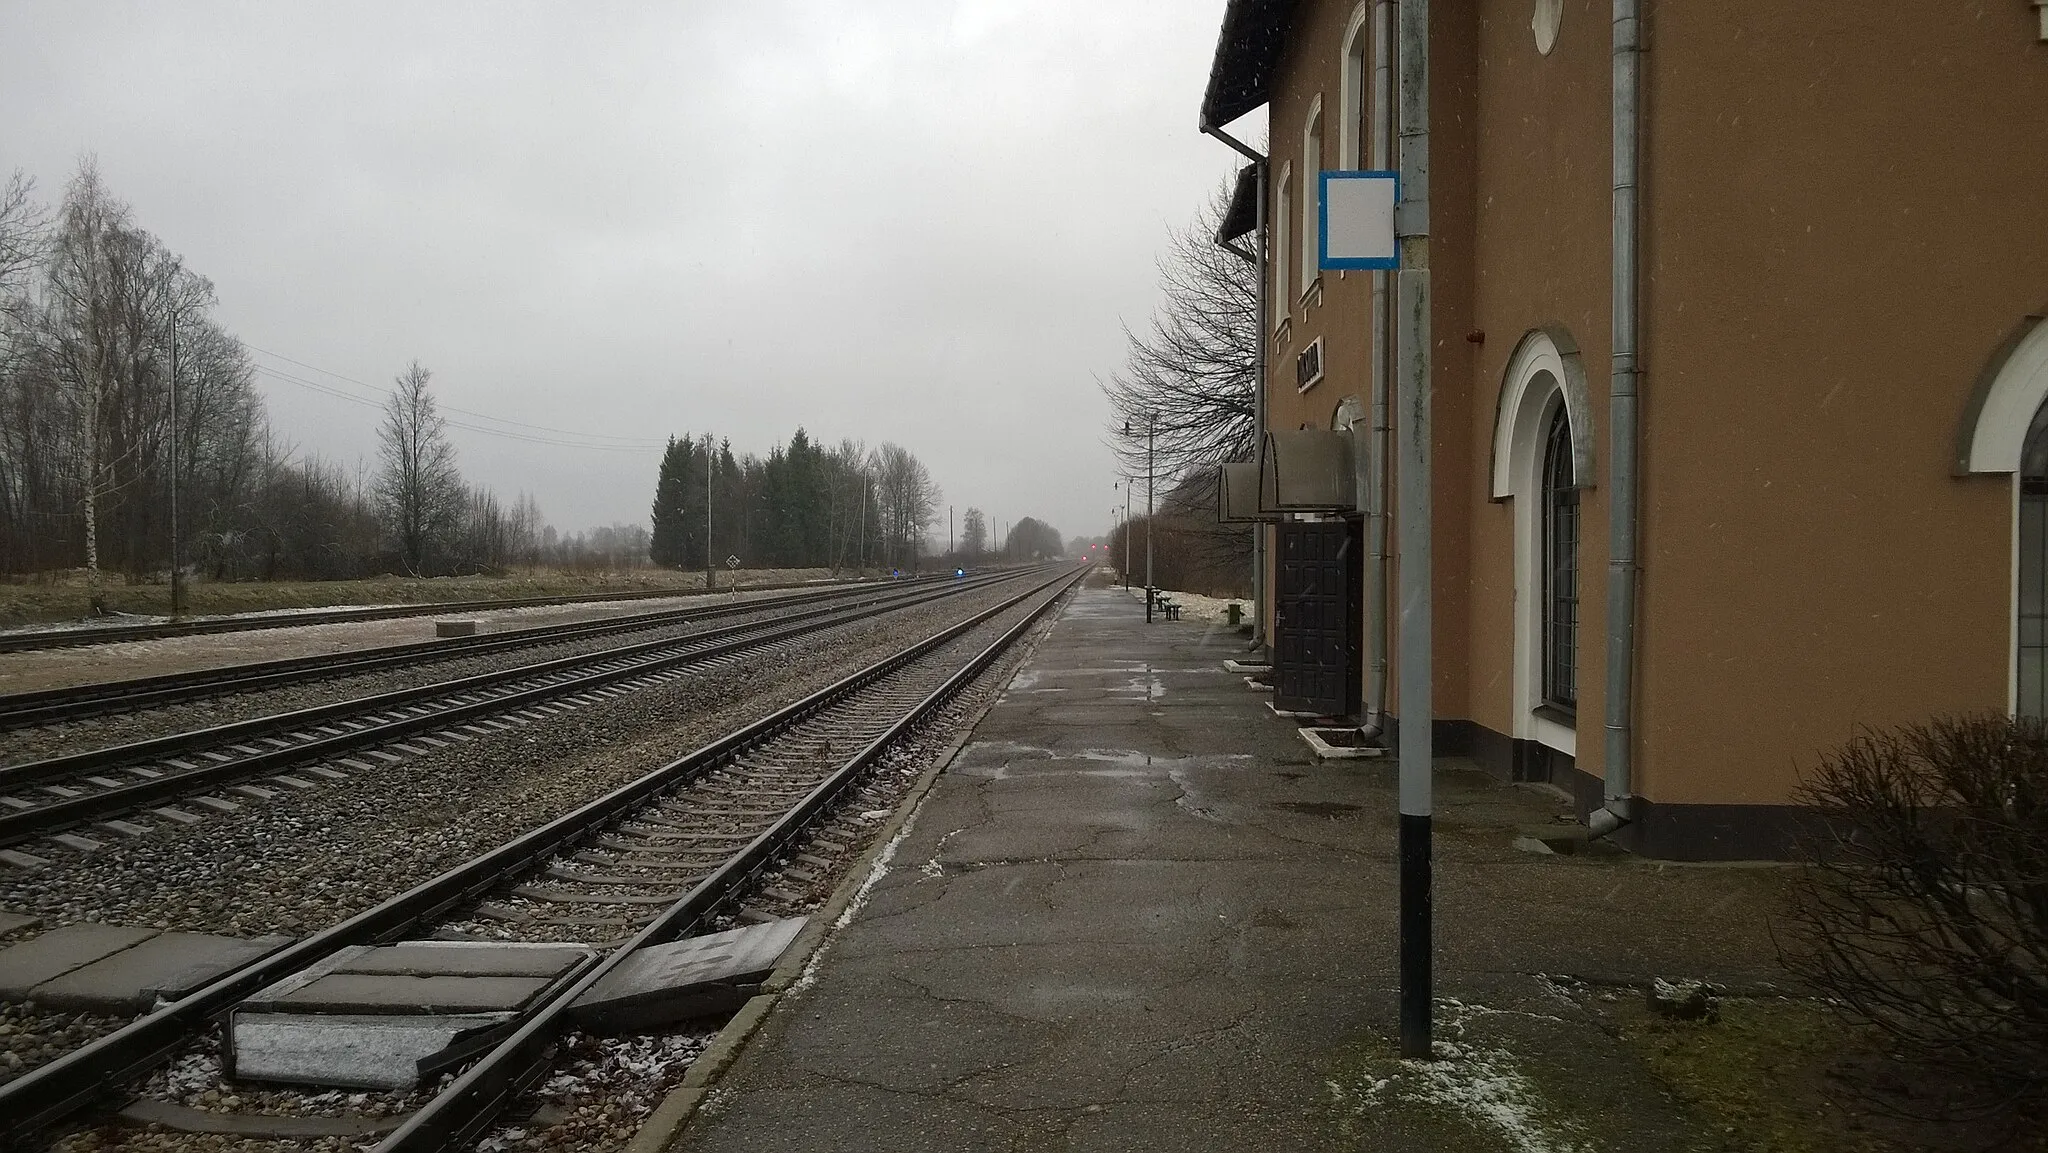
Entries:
{"x":1247,"y":54}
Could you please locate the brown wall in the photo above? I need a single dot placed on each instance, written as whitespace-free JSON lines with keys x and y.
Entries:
{"x":1543,"y":238}
{"x":1842,"y":219}
{"x":1312,"y":65}
{"x":1845,"y":215}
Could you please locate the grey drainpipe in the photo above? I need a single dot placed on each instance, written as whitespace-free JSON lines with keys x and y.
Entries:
{"x":1379,"y":156}
{"x":1622,"y":402}
{"x":1259,"y":391}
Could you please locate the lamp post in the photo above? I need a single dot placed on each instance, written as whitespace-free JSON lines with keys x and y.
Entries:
{"x":177,"y":552}
{"x":1151,"y":430}
{"x":1125,"y":484}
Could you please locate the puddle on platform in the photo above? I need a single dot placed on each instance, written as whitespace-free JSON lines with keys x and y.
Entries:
{"x":992,"y":759}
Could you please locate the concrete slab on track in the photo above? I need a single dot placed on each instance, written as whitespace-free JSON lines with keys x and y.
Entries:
{"x":113,"y":968}
{"x":699,"y":977}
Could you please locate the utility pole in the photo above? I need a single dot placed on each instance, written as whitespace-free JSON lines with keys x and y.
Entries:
{"x":949,"y":535}
{"x":1126,"y":485}
{"x":1412,"y":370}
{"x":177,"y":557}
{"x":1151,"y":432}
{"x":710,"y":556}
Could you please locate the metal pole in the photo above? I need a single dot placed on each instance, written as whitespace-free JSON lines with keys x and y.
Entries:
{"x":1260,"y":262}
{"x":1127,"y":534}
{"x":710,"y":565}
{"x":1413,"y":402}
{"x":1151,"y":590}
{"x":177,"y":568}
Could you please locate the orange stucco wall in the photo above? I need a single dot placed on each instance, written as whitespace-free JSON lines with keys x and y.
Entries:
{"x":1843,"y":217}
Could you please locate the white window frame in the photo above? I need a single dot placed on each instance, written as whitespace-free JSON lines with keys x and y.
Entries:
{"x":1541,"y":376}
{"x":1311,"y":166}
{"x":1283,"y":190}
{"x":1351,"y":88}
{"x":1991,"y":440}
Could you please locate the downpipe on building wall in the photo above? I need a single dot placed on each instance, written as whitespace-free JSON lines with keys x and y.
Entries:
{"x":1379,"y":156}
{"x":1623,"y":396}
{"x":1258,"y":159}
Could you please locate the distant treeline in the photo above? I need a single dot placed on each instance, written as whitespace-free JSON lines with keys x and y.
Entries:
{"x":92,"y":307}
{"x":803,"y":506}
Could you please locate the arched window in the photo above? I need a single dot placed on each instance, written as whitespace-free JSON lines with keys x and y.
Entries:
{"x":2031,"y":678}
{"x":2005,"y":430}
{"x":1560,"y":567}
{"x":1354,"y":130}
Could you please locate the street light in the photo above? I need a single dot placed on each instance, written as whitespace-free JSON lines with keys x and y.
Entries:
{"x":1125,"y":484}
{"x":1151,"y":429}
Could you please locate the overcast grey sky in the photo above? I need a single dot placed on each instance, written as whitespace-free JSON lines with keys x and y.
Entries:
{"x":888,"y":219}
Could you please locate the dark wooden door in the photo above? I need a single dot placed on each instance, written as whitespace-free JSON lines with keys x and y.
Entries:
{"x":1316,"y":660}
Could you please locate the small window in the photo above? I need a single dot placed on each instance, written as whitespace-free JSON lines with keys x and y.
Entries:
{"x":1308,"y":366}
{"x":1560,"y":568}
{"x":1311,"y":166}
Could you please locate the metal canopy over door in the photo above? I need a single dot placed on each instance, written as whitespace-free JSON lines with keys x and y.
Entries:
{"x":1316,"y":661}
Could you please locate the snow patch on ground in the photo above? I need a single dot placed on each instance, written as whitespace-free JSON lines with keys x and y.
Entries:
{"x":1196,"y":607}
{"x":883,"y":861}
{"x":1483,"y":1084}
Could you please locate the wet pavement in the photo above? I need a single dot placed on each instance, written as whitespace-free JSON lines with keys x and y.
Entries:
{"x":1135,"y":913}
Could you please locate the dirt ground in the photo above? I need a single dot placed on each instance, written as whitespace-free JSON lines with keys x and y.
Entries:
{"x":64,"y":599}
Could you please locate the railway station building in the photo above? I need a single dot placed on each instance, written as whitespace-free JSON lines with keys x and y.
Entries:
{"x":1830,"y":283}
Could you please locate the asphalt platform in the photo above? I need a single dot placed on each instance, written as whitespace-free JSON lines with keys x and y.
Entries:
{"x":1135,"y":913}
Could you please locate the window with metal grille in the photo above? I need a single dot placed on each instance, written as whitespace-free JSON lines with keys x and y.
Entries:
{"x":1560,"y":568}
{"x":2031,"y":683}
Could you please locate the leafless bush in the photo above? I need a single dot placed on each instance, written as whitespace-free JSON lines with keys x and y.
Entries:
{"x":1924,"y":908}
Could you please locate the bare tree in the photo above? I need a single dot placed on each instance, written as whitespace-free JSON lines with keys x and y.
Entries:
{"x":420,"y":490}
{"x":1192,"y":378}
{"x":22,"y":235}
{"x":973,"y":534}
{"x":99,"y":334}
{"x":908,"y":500}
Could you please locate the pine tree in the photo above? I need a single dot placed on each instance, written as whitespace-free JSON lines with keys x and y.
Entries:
{"x":669,"y":545}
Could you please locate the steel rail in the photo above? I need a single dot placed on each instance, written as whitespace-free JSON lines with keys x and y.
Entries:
{"x":52,"y":1093}
{"x":45,"y":706}
{"x":460,"y":1112}
{"x":398,"y":713}
{"x":111,"y":634}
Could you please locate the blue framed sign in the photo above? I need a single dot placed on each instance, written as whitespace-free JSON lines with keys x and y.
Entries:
{"x":1356,"y":210}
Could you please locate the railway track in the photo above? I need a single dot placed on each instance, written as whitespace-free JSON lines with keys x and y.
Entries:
{"x":23,"y":641}
{"x":43,"y":798}
{"x":54,"y":706}
{"x":675,"y":848}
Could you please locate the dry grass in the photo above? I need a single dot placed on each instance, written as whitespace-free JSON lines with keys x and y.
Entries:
{"x":64,"y":599}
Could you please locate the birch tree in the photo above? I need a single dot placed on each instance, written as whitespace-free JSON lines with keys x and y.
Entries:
{"x":419,"y":490}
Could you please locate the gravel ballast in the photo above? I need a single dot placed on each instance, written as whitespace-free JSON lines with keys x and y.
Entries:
{"x":305,"y":859}
{"x":96,"y":732}
{"x":603,"y":1089}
